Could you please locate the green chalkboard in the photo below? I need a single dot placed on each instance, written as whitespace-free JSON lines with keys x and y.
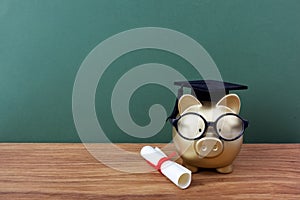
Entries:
{"x":43,"y":43}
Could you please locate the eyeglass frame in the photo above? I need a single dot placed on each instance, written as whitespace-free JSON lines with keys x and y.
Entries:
{"x":174,"y":122}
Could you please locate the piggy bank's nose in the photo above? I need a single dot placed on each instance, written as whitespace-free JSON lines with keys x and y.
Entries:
{"x":208,"y":147}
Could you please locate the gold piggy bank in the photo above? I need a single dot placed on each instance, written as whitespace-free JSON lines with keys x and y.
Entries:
{"x":208,"y":134}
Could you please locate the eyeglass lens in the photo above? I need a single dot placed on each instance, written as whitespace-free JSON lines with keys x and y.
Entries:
{"x":191,"y":126}
{"x":229,"y":126}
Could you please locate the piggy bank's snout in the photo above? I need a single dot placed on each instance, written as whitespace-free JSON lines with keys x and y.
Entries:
{"x":208,"y":147}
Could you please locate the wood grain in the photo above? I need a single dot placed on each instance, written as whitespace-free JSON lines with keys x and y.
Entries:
{"x":68,"y":171}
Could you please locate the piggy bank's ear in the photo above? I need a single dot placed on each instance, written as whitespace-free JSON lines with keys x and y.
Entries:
{"x":186,"y":101}
{"x":231,"y":101}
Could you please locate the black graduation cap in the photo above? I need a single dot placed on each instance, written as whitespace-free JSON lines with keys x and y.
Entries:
{"x":205,"y":90}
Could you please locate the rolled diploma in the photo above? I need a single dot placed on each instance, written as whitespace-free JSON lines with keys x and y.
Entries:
{"x":176,"y":173}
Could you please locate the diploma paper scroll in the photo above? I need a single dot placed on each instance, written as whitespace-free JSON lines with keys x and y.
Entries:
{"x":176,"y":173}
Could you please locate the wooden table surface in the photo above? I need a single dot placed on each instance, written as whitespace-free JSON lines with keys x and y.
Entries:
{"x":68,"y":171}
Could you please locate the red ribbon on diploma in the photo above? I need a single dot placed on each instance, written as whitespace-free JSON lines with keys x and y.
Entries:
{"x":161,"y":161}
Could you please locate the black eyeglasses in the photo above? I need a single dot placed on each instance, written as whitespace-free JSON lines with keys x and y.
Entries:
{"x":192,"y":126}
